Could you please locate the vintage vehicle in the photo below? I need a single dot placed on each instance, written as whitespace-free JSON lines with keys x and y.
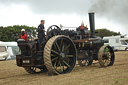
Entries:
{"x":62,"y":48}
{"x":8,"y":50}
{"x":117,"y":42}
{"x":3,"y":51}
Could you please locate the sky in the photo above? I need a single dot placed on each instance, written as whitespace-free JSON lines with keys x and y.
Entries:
{"x":110,"y":14}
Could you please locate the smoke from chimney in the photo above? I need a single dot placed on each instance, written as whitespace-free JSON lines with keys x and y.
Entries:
{"x":113,"y":10}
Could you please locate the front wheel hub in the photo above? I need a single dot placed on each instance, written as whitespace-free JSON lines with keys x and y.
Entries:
{"x":62,"y":55}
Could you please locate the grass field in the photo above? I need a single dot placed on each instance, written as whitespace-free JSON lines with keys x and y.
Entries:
{"x":117,"y":74}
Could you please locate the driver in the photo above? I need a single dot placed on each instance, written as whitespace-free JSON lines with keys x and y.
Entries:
{"x":41,"y":34}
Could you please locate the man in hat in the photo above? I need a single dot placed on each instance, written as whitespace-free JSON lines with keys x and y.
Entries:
{"x":23,"y":35}
{"x":41,"y":34}
{"x":82,"y":30}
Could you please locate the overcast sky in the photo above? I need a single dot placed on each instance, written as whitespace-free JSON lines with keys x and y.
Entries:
{"x":110,"y":14}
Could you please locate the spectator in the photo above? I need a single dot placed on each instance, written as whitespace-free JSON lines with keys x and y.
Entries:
{"x":23,"y":35}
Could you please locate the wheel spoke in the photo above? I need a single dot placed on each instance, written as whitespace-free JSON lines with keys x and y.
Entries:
{"x":106,"y":62}
{"x":61,"y":68}
{"x":61,"y":43}
{"x":67,"y":51}
{"x":55,"y":47}
{"x":63,"y":47}
{"x":109,"y":57}
{"x":55,"y":52}
{"x":53,"y":55}
{"x":108,"y":54}
{"x":54,"y":58}
{"x":69,"y":55}
{"x":55,"y":63}
{"x":67,"y":47}
{"x":66,"y":63}
{"x":58,"y":46}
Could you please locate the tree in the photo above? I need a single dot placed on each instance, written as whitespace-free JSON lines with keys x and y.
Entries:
{"x":105,"y":32}
{"x":12,"y":33}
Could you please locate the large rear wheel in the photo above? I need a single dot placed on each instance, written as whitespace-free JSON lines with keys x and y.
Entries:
{"x":60,"y":55}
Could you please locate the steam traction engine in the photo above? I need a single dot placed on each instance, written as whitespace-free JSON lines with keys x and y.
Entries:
{"x":62,"y":48}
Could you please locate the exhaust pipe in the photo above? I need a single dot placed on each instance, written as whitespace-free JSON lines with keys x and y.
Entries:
{"x":92,"y":25}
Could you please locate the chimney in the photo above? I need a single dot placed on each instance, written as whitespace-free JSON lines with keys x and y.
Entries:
{"x":92,"y":25}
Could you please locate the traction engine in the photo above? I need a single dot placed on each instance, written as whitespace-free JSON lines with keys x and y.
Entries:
{"x":62,"y":48}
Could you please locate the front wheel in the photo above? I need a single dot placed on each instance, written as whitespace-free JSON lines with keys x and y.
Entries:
{"x":106,"y":56}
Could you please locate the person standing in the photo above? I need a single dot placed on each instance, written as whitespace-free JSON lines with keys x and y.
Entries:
{"x":41,"y":33}
{"x":23,"y":35}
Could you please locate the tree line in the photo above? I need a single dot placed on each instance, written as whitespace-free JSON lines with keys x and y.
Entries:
{"x":12,"y":33}
{"x":105,"y":32}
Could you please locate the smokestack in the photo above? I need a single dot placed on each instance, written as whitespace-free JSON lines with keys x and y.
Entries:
{"x":92,"y":25}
